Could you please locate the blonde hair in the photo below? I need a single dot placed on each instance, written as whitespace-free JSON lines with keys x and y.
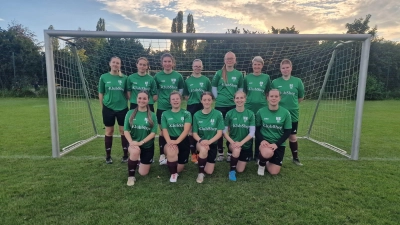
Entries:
{"x":175,"y":93}
{"x":258,"y":59}
{"x":239,"y":92}
{"x":224,"y":72}
{"x":274,"y":90}
{"x":147,"y":61}
{"x":119,"y":71}
{"x":151,"y":122}
{"x":286,"y":61}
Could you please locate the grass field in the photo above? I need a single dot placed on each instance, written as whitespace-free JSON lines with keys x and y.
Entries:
{"x":80,"y":188}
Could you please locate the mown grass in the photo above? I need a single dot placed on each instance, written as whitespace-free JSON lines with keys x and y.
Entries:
{"x":80,"y":188}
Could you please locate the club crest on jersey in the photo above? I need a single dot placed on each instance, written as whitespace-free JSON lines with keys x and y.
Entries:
{"x":245,"y":118}
{"x":145,"y":120}
{"x":201,"y":84}
{"x":212,"y":121}
{"x":146,"y":83}
{"x":291,"y":86}
{"x":120,"y":82}
{"x":278,"y":119}
{"x":261,"y":83}
{"x":234,"y":78}
{"x":173,"y":81}
{"x":182,"y":118}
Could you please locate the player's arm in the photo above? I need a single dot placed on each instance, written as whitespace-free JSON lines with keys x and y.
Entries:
{"x":301,"y":91}
{"x":225,"y":132}
{"x":101,"y":91}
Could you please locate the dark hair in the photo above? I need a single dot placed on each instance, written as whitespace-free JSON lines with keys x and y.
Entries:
{"x":167,"y":55}
{"x":136,"y":110}
{"x":274,"y":90}
{"x":175,"y":93}
{"x":207,"y":93}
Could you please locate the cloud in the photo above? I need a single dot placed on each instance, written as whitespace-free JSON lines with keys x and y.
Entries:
{"x":120,"y":27}
{"x":1,"y":19}
{"x":318,"y":16}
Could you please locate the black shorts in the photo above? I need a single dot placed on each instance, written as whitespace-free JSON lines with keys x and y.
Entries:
{"x":246,"y":155}
{"x":193,"y":108}
{"x":134,"y":105}
{"x":146,"y":155}
{"x":224,"y":110}
{"x":294,"y":127}
{"x":212,"y":153}
{"x":159,"y":114}
{"x":109,"y":116}
{"x":184,"y":150}
{"x":277,"y":158}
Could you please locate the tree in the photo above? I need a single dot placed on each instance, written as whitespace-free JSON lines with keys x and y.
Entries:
{"x":173,"y":30}
{"x":287,"y":30}
{"x":177,"y":27}
{"x":54,"y":40}
{"x":360,"y":26}
{"x":190,"y":44}
{"x":101,"y":25}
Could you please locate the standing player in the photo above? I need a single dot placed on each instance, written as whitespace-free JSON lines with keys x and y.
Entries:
{"x":167,"y":81}
{"x":256,"y":86}
{"x":292,"y":93}
{"x":273,"y":127}
{"x":113,"y":101}
{"x":225,"y":84}
{"x":239,"y":132}
{"x":195,"y":85}
{"x":175,"y":125}
{"x":207,"y":129}
{"x":142,"y":81}
{"x":140,"y":128}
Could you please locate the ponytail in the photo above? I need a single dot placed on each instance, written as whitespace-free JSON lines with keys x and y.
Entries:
{"x":151,"y":122}
{"x":133,"y":116}
{"x":224,"y":72}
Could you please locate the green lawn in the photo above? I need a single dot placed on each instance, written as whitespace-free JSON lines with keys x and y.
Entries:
{"x":80,"y":188}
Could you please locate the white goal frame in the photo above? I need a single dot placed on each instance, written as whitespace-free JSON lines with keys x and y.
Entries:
{"x":364,"y":58}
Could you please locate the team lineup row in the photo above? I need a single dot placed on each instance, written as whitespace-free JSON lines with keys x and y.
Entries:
{"x":242,"y":112}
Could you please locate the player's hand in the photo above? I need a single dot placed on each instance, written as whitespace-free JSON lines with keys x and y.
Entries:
{"x":134,"y":143}
{"x":264,"y":144}
{"x":174,"y":142}
{"x":172,"y":146}
{"x":273,"y":147}
{"x":205,"y":143}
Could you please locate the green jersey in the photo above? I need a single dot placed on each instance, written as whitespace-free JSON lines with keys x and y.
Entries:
{"x":226,"y":90}
{"x":114,"y":88}
{"x":140,"y":127}
{"x":273,"y":123}
{"x":194,"y":87}
{"x":239,"y":125}
{"x":175,"y":121}
{"x":207,"y":125}
{"x":291,"y":90}
{"x":167,"y":83}
{"x":256,"y":88}
{"x":137,"y":83}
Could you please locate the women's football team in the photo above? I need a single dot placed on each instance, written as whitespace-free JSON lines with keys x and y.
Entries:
{"x":247,"y":109}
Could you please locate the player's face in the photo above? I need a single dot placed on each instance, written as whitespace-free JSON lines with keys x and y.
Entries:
{"x":142,"y":99}
{"x":142,"y":66}
{"x":257,"y":67}
{"x":207,"y":101}
{"x":273,"y":98}
{"x":240,"y":99}
{"x":286,"y":69}
{"x":230,"y":59}
{"x":175,"y":101}
{"x":115,"y":64}
{"x":197,"y":67}
{"x":167,"y":63}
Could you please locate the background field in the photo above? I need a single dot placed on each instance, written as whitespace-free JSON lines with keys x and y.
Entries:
{"x":80,"y":188}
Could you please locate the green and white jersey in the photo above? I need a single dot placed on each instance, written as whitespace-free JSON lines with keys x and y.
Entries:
{"x":140,"y":127}
{"x":194,"y":87}
{"x":167,"y":83}
{"x":137,"y":83}
{"x":239,"y":125}
{"x":256,"y":88}
{"x":207,"y":125}
{"x":273,"y":123}
{"x":174,"y":122}
{"x":226,"y":90}
{"x":291,"y":90}
{"x":114,"y":88}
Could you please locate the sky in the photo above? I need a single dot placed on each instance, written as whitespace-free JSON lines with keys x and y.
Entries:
{"x":210,"y":16}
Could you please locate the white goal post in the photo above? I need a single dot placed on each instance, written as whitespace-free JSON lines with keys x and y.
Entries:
{"x":333,"y":68}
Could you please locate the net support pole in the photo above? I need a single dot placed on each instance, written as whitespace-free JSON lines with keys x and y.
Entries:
{"x":80,"y":71}
{"x":362,"y":82}
{"x":51,"y":87}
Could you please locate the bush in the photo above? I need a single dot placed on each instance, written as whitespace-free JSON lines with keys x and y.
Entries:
{"x":375,"y":89}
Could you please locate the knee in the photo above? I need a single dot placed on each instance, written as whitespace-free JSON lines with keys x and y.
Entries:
{"x":143,"y":173}
{"x":239,"y":170}
{"x":208,"y":172}
{"x":266,"y":152}
{"x":292,"y":138}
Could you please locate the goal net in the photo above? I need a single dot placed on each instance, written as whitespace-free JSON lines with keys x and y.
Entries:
{"x":332,"y":68}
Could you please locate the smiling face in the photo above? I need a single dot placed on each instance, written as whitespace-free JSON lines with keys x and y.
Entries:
{"x":167,"y":63}
{"x":142,"y":66}
{"x":207,"y":101}
{"x":197,"y":67}
{"x":230,"y":59}
{"x":240,"y":99}
{"x":273,"y":97}
{"x":142,"y":100}
{"x":257,"y":67}
{"x":175,"y":100}
{"x":286,"y":69}
{"x":115,"y":64}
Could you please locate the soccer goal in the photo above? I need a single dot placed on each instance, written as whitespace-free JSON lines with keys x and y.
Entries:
{"x":333,"y":68}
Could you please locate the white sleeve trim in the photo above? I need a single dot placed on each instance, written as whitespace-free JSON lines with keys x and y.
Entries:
{"x":180,"y":91}
{"x":214,"y":91}
{"x":225,"y":130}
{"x":252,"y":131}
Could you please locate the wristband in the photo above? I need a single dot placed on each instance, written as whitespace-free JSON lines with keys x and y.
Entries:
{"x":200,"y":140}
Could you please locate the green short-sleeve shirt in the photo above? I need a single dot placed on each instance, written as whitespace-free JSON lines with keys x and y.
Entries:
{"x":114,"y":89}
{"x":239,"y":124}
{"x":207,"y":125}
{"x":137,"y":83}
{"x":256,"y":88}
{"x":174,"y":122}
{"x":227,"y":90}
{"x":194,"y":87}
{"x":140,"y":128}
{"x":167,"y":83}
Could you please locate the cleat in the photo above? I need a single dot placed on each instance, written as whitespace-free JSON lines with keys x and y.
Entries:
{"x":220,"y":157}
{"x":261,"y":170}
{"x":109,"y":160}
{"x":124,"y":159}
{"x":232,"y":175}
{"x":200,"y":178}
{"x":174,"y":178}
{"x":194,"y":158}
{"x":228,"y":157}
{"x":162,"y":160}
{"x":131,"y":181}
{"x":297,"y":162}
